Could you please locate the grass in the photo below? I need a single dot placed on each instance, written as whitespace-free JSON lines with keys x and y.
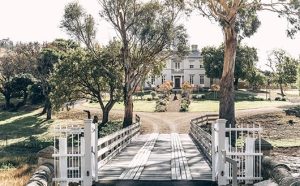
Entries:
{"x":213,"y":106}
{"x":16,"y":176}
{"x":295,"y":142}
{"x":22,"y":134}
{"x":138,"y":106}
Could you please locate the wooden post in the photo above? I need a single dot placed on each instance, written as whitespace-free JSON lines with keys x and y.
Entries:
{"x":87,"y":176}
{"x":82,"y":160}
{"x":213,"y":152}
{"x":227,"y":164}
{"x":95,"y":146}
{"x":63,"y":161}
{"x":249,"y":164}
{"x":221,"y":147}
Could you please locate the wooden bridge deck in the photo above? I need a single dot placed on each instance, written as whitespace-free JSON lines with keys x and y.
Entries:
{"x":158,"y":157}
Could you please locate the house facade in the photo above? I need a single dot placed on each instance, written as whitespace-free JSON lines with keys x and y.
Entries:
{"x":190,"y":69}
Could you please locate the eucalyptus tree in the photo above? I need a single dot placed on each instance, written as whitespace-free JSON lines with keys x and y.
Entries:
{"x":50,"y":54}
{"x":239,"y":19}
{"x":284,"y":68}
{"x":148,"y":34}
{"x":79,"y":76}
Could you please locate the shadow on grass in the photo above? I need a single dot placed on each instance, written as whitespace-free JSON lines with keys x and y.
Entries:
{"x":7,"y":114}
{"x":24,"y":127}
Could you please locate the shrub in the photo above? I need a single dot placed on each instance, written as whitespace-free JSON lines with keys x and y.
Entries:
{"x":184,"y":105}
{"x":198,"y":97}
{"x":153,"y":94}
{"x":161,"y":105}
{"x":277,"y":99}
{"x":36,"y":93}
{"x":140,"y":94}
{"x":283,"y":99}
{"x":160,"y":108}
{"x":149,"y":99}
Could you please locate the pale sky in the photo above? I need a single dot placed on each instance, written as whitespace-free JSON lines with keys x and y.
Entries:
{"x":38,"y":20}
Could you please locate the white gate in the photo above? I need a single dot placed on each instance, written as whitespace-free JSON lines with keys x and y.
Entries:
{"x":240,"y":162}
{"x":75,"y":160}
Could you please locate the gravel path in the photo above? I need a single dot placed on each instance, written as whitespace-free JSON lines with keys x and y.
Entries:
{"x":166,"y":122}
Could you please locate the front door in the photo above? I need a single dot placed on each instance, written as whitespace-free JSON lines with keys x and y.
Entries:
{"x":177,"y":83}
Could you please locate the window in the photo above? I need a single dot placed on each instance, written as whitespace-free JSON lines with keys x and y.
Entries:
{"x":152,"y":80}
{"x":201,"y":65}
{"x":191,"y":60}
{"x":177,"y":65}
{"x":163,"y":79}
{"x":201,"y":79}
{"x":192,"y":79}
{"x":191,"y":66}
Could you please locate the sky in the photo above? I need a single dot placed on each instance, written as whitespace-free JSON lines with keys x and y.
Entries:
{"x":39,"y":20}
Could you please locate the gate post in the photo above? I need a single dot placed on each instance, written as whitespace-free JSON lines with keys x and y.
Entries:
{"x":221,"y":160}
{"x":213,"y":151}
{"x":63,"y":160}
{"x":87,"y":176}
{"x":95,"y":151}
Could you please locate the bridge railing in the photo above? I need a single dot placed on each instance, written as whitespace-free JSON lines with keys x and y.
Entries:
{"x":200,"y":131}
{"x":110,"y":145}
{"x":234,"y":153}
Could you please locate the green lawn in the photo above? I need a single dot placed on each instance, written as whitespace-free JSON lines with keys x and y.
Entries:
{"x":213,"y":106}
{"x":22,"y":134}
{"x":295,"y":142}
{"x":138,"y":106}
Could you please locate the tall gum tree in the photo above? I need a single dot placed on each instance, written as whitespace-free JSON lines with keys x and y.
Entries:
{"x":149,"y":35}
{"x":102,"y":70}
{"x":238,"y":19}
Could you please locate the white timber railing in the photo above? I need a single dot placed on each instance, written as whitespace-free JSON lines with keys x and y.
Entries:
{"x":73,"y":160}
{"x":111,"y":145}
{"x":200,"y":132}
{"x":234,"y":153}
{"x":80,"y":153}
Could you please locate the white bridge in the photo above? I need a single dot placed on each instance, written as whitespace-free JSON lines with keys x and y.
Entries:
{"x":203,"y":157}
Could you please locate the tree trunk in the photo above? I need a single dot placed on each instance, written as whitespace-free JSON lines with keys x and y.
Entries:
{"x":236,"y":83}
{"x":280,"y":173}
{"x":128,"y":111}
{"x":106,"y":110}
{"x":226,"y":110}
{"x":281,"y":90}
{"x":48,"y":108}
{"x":25,"y":97}
{"x":7,"y":101}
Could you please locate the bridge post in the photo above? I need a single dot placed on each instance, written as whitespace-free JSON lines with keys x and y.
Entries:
{"x":87,"y":176}
{"x":222,"y":180}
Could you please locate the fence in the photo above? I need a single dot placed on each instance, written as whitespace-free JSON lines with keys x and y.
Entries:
{"x":72,"y":161}
{"x":80,"y":152}
{"x":112,"y":144}
{"x":234,"y":153}
{"x":200,"y":132}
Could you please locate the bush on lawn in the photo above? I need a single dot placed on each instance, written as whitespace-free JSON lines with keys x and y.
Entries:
{"x":184,"y":105}
{"x":277,"y":99}
{"x":161,"y":105}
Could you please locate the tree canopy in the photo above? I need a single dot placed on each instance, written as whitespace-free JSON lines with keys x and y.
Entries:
{"x":147,"y":33}
{"x":284,"y":68}
{"x":238,"y":19}
{"x":79,"y":76}
{"x":213,"y":58}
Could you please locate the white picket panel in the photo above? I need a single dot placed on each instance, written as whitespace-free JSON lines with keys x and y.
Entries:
{"x":72,"y":161}
{"x":243,"y":152}
{"x":80,"y":152}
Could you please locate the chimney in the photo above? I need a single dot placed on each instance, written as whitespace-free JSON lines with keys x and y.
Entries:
{"x":194,"y":48}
